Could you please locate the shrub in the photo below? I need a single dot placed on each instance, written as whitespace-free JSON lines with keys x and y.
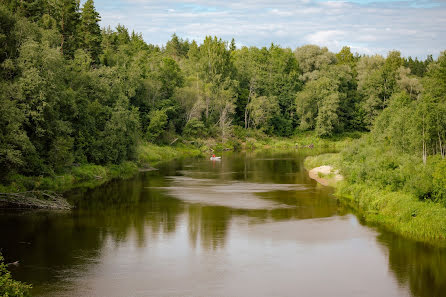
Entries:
{"x":10,"y":287}
{"x":194,"y":128}
{"x":439,"y":181}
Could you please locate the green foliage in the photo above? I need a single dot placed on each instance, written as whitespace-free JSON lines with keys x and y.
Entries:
{"x":333,"y":160}
{"x":384,"y":167}
{"x":66,"y":15}
{"x":370,"y":189}
{"x":439,"y":181}
{"x":398,"y":212}
{"x":91,"y":38}
{"x":10,"y":287}
{"x":158,"y":122}
{"x":150,"y":154}
{"x":324,"y":103}
{"x":194,"y":128}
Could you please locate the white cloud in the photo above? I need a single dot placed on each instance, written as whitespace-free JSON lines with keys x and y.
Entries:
{"x":367,"y":26}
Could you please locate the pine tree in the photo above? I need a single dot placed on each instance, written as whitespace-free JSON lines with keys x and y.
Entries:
{"x":66,"y":13}
{"x":90,"y":32}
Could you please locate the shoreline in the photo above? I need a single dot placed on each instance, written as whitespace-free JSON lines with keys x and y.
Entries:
{"x":326,"y":175}
{"x":31,"y":192}
{"x":398,"y":212}
{"x":148,"y":156}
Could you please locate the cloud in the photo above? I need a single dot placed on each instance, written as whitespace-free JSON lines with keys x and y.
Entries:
{"x":416,"y":28}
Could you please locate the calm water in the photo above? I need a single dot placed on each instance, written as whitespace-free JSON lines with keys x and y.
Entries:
{"x":250,"y":225}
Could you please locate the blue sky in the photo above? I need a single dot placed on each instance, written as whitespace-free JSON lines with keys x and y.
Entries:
{"x":416,"y":28}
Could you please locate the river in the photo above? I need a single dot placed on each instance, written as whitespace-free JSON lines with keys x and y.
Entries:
{"x":248,"y":225}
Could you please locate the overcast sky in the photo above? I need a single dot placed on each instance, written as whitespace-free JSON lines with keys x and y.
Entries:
{"x":416,"y":28}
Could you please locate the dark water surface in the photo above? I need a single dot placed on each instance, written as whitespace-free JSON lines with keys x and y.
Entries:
{"x":250,"y":225}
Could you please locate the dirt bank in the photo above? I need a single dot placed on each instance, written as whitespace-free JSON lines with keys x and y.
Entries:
{"x":325,"y":175}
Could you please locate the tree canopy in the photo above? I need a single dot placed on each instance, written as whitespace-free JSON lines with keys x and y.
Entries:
{"x":75,"y":93}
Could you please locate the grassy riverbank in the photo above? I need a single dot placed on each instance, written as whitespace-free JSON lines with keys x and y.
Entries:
{"x":90,"y":175}
{"x":397,"y":211}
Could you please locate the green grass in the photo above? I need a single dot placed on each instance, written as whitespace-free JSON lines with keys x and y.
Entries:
{"x":299,"y":141}
{"x":323,"y":159}
{"x":397,"y":211}
{"x":149,"y":153}
{"x":90,"y":175}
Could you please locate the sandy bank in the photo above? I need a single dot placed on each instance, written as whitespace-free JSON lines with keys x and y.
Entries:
{"x":325,"y":175}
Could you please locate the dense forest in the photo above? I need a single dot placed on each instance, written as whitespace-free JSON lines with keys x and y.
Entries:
{"x":73,"y":93}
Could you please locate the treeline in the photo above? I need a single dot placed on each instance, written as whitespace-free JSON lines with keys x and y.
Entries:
{"x":75,"y":93}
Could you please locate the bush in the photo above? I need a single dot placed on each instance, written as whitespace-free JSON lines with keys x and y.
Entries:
{"x":158,"y":122}
{"x":194,"y":128}
{"x":10,"y":287}
{"x":376,"y":164}
{"x":439,"y":181}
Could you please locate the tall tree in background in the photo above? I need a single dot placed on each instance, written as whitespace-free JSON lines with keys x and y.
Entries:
{"x":66,"y":14}
{"x":90,"y":32}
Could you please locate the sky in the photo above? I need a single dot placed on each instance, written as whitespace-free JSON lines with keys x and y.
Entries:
{"x":415,"y":28}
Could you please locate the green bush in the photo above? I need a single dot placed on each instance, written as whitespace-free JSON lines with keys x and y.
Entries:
{"x":158,"y":122}
{"x":194,"y":128}
{"x":439,"y":181}
{"x":376,"y":164}
{"x":10,"y":287}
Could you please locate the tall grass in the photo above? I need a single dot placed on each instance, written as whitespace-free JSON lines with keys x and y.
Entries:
{"x":396,"y":209}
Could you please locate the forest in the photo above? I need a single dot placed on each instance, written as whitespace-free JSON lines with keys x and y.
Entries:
{"x":73,"y":93}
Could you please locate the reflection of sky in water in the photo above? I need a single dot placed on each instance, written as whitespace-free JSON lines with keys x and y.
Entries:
{"x":237,"y":195}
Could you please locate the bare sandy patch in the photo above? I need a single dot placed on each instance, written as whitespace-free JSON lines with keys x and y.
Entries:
{"x":325,"y":175}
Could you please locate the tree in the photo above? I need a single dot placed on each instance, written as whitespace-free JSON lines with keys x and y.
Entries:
{"x":170,"y":76}
{"x":312,"y":58}
{"x":158,"y":122}
{"x":215,"y":61}
{"x":345,"y":57}
{"x":177,"y":48}
{"x":89,"y":31}
{"x":326,"y":101}
{"x":66,"y":14}
{"x":14,"y":143}
{"x":262,"y":109}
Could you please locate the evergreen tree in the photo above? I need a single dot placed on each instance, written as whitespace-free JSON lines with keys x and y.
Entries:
{"x":90,"y":32}
{"x":66,"y":14}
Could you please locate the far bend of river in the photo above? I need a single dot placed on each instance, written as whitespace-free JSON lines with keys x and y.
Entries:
{"x":250,"y":225}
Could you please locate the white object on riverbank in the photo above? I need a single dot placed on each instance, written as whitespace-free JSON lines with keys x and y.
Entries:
{"x":325,"y":175}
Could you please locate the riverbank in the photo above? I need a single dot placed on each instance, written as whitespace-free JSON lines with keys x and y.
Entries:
{"x":31,"y":189}
{"x":396,"y":211}
{"x":325,"y":175}
{"x":148,"y":156}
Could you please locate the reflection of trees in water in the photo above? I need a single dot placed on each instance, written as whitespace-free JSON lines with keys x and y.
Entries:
{"x":209,"y":225}
{"x":423,"y":268}
{"x":124,"y":206}
{"x":51,"y":244}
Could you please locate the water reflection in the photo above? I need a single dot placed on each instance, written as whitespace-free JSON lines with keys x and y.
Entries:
{"x":422,"y":267}
{"x":149,"y":222}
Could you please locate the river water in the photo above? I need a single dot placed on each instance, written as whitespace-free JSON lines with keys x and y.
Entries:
{"x":249,"y":225}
